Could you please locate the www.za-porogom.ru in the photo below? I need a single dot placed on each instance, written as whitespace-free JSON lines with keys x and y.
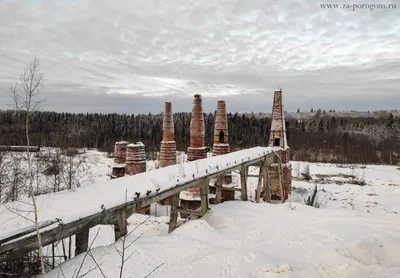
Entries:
{"x":353,"y":7}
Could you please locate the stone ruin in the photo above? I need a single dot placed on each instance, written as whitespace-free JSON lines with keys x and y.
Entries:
{"x":277,"y":138}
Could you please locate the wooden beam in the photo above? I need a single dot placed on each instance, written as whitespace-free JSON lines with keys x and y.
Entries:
{"x":259,"y":185}
{"x":204,"y":197}
{"x":81,"y":241}
{"x":218,"y":190}
{"x":173,"y":218}
{"x":196,"y":212}
{"x":28,"y":230}
{"x":243,"y":182}
{"x":120,"y":225}
{"x":281,"y":178}
{"x":18,"y":248}
{"x":231,"y":189}
{"x":267,"y":185}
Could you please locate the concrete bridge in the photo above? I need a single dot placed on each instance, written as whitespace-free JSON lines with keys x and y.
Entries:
{"x":111,"y":202}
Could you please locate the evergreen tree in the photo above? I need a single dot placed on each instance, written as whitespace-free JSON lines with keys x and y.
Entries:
{"x":390,"y":121}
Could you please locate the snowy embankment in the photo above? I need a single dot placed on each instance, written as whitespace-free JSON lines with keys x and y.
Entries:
{"x":245,"y":239}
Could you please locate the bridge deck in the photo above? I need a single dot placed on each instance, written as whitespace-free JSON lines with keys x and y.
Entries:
{"x":98,"y":203}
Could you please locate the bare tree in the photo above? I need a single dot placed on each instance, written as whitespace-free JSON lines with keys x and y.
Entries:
{"x":16,"y":179}
{"x":75,"y":171}
{"x":24,"y":94}
{"x":38,"y":169}
{"x":4,"y":176}
{"x":54,"y":170}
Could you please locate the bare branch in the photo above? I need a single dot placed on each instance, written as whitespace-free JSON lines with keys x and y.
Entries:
{"x":84,"y":258}
{"x":153,"y":270}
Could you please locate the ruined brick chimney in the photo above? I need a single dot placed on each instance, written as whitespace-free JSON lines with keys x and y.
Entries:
{"x":168,"y":145}
{"x":221,"y":143}
{"x":118,"y":169}
{"x":190,"y":198}
{"x":221,"y":147}
{"x":277,"y":134}
{"x":278,"y":138}
{"x":135,"y":159}
{"x":197,"y":149}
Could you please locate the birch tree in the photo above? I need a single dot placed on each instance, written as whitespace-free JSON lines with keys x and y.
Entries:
{"x":24,"y":94}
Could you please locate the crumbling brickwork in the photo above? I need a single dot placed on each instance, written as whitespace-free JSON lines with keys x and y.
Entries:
{"x":118,"y":169}
{"x":221,"y":136}
{"x":168,"y":144}
{"x":135,"y":159}
{"x":197,"y":150}
{"x":277,"y":138}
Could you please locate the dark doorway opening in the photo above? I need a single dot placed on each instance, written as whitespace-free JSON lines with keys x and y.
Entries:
{"x":277,"y":142}
{"x":221,"y":137}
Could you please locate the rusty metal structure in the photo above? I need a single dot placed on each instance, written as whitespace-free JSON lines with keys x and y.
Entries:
{"x":280,"y":172}
{"x":168,"y":144}
{"x":135,"y":159}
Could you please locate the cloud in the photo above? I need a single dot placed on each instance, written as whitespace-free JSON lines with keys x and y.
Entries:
{"x":131,"y":56}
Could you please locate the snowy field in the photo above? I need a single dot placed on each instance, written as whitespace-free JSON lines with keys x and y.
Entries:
{"x":355,"y":233}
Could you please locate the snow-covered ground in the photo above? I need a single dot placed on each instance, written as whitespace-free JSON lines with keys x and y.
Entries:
{"x":355,"y":233}
{"x":69,"y":206}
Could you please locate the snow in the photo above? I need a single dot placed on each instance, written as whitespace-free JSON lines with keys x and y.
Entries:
{"x":245,"y":239}
{"x":122,"y":142}
{"x":70,"y":206}
{"x":136,"y":144}
{"x":118,"y":165}
{"x":356,"y":232}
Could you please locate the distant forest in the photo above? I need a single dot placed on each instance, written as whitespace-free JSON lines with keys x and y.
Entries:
{"x":320,"y":137}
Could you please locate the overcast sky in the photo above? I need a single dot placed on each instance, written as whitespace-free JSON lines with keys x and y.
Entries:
{"x":133,"y":55}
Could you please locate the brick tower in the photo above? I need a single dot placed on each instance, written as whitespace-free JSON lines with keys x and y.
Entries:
{"x":190,"y":198}
{"x":197,"y":150}
{"x":168,"y":144}
{"x":278,"y":138}
{"x":221,"y":143}
{"x":221,"y":147}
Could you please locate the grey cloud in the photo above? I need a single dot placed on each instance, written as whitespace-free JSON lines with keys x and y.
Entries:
{"x":221,"y":48}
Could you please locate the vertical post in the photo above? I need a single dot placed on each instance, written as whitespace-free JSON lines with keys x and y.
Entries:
{"x":81,"y":242}
{"x":173,"y":218}
{"x":120,"y":226}
{"x":281,"y":178}
{"x":260,"y":176}
{"x":218,"y":190}
{"x":243,"y":182}
{"x":267,"y":188}
{"x":204,"y":197}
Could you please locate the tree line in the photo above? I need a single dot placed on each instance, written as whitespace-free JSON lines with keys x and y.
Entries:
{"x":320,"y":138}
